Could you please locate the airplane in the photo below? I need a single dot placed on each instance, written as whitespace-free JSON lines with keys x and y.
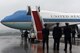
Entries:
{"x":34,"y":19}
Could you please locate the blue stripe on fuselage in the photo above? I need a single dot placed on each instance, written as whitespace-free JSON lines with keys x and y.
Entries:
{"x":61,"y":20}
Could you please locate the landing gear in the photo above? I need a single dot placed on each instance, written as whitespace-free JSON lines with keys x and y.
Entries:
{"x":22,"y":34}
{"x":22,"y":37}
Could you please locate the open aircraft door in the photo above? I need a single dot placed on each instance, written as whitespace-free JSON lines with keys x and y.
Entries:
{"x":37,"y":23}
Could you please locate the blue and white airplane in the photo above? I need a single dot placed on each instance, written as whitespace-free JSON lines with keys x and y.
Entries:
{"x":22,"y":20}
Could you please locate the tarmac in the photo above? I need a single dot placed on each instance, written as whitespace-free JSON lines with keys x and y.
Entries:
{"x":14,"y":44}
{"x":37,"y":47}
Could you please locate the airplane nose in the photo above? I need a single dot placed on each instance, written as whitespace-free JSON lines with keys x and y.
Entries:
{"x":2,"y":21}
{"x":18,"y":20}
{"x":6,"y":21}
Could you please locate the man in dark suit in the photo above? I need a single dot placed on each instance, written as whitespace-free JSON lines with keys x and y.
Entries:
{"x":67,"y":36}
{"x":45,"y":32}
{"x":26,"y":35}
{"x":57,"y":33}
{"x":73,"y":35}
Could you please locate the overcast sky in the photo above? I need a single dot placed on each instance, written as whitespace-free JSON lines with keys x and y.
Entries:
{"x":8,"y":7}
{"x":58,"y":5}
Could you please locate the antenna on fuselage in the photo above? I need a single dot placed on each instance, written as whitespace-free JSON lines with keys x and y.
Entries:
{"x":38,"y":8}
{"x":29,"y":11}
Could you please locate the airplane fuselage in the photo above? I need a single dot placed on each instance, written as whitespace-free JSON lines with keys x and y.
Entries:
{"x":20,"y":20}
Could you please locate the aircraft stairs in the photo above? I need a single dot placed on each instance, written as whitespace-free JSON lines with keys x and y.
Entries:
{"x":37,"y":22}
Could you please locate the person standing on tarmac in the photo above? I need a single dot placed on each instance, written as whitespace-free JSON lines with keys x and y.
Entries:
{"x":45,"y":33}
{"x":57,"y":33}
{"x":67,"y":36}
{"x":73,"y":35}
{"x":26,"y":35}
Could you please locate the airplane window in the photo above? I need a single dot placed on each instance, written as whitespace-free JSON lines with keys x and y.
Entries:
{"x":58,"y":16}
{"x":67,"y":16}
{"x":55,"y":16}
{"x":51,"y":15}
{"x":77,"y":16}
{"x":71,"y":16}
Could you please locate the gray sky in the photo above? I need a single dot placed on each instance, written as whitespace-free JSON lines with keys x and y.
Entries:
{"x":58,"y":5}
{"x":8,"y":7}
